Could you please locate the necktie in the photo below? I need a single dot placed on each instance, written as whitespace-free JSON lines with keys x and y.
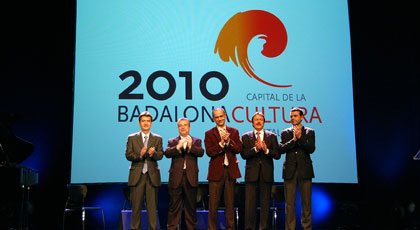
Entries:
{"x":146,"y":140}
{"x":258,"y":137}
{"x":185,"y":144}
{"x":185,"y":147}
{"x":226,"y":160}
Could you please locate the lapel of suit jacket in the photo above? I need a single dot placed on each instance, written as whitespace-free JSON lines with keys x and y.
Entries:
{"x":252,"y":136}
{"x":140,"y":139}
{"x":217,"y":134}
{"x":290,"y":133}
{"x":177,"y":139}
{"x":303,"y":131}
{"x":266,"y":139}
{"x":151,"y":139}
{"x":229,"y":130}
{"x":194,"y":140}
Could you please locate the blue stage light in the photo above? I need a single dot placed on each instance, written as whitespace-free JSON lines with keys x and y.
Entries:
{"x":321,"y":204}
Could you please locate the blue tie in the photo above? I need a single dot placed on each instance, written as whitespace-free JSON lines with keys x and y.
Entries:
{"x":146,"y":139}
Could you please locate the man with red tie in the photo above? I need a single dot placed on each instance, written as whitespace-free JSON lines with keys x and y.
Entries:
{"x":183,"y":175}
{"x":222,"y":144}
{"x":258,"y":149}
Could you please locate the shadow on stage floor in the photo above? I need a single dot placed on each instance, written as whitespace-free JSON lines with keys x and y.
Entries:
{"x":334,"y":206}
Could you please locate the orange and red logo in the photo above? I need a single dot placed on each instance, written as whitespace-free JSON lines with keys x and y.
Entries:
{"x":238,"y":32}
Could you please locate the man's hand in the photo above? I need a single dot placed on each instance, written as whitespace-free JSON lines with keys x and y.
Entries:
{"x":143,"y":151}
{"x":225,"y":137}
{"x":180,"y":144}
{"x":297,"y":132}
{"x":264,"y":146}
{"x":189,"y":142}
{"x":258,"y":145}
{"x":152,"y":151}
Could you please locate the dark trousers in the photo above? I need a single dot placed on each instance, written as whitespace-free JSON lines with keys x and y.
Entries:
{"x":137,"y":193}
{"x":226,"y":185}
{"x":251,"y":189}
{"x":305,"y":189}
{"x":187,"y":194}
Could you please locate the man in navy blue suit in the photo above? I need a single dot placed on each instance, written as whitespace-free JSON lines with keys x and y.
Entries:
{"x":298,"y":142}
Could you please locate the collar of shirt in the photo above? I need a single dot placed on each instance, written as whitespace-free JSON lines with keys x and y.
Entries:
{"x":144,"y":135}
{"x":221,"y":129}
{"x":261,"y":133}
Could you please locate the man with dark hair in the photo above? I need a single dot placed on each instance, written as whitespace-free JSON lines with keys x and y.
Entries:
{"x":298,"y":142}
{"x":183,"y":175}
{"x":222,"y":144}
{"x":144,"y":149}
{"x":297,"y":109}
{"x":259,"y":147}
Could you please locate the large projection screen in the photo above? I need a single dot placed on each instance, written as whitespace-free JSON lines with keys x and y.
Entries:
{"x":181,"y":59}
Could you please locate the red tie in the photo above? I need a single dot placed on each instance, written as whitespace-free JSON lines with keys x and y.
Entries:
{"x":258,"y":137}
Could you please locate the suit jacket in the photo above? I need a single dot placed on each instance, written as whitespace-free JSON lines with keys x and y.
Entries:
{"x":297,"y":153}
{"x":177,"y":164}
{"x":217,"y":153}
{"x":132,"y":153}
{"x":256,"y":160}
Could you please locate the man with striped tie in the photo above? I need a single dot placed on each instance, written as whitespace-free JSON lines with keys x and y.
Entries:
{"x":144,"y":149}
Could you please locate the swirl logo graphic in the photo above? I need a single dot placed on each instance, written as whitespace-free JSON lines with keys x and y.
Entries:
{"x":238,"y":32}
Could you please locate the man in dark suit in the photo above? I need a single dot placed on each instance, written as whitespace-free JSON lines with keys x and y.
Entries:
{"x":298,"y":142}
{"x":144,"y":149}
{"x":222,"y":144}
{"x":183,"y":175}
{"x":259,"y":147}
